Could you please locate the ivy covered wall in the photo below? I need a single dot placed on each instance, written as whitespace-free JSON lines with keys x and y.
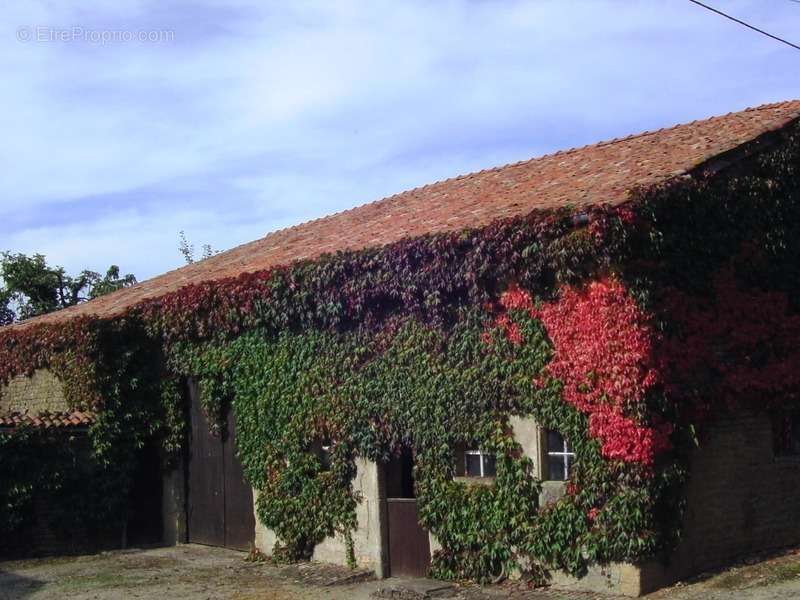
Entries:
{"x":624,"y":328}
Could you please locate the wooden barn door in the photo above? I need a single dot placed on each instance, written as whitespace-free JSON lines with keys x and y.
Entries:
{"x":409,"y":546}
{"x":240,"y":525}
{"x":220,"y":502}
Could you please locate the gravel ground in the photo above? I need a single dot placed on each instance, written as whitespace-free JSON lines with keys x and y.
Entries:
{"x":192,"y":572}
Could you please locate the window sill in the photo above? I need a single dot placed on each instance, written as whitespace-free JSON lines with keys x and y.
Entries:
{"x":554,"y":484}
{"x":474,"y":480}
{"x":552,"y":491}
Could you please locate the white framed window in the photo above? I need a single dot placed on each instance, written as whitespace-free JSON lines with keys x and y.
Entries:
{"x":479,"y":463}
{"x":560,"y":456}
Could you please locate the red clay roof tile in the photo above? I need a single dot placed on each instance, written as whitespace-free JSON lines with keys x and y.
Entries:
{"x":602,"y":173}
{"x":48,"y":420}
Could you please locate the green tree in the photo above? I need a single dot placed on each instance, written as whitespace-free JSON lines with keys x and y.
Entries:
{"x":110,"y":283}
{"x":6,"y":314}
{"x":31,"y":287}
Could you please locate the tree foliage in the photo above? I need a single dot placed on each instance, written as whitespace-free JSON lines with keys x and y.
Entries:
{"x":31,"y":287}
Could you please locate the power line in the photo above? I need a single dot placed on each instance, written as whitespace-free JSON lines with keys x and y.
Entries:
{"x":740,"y":22}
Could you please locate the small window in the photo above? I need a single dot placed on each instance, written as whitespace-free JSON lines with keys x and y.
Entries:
{"x":786,"y":433}
{"x":321,"y":447}
{"x":560,"y":457}
{"x":478,"y":463}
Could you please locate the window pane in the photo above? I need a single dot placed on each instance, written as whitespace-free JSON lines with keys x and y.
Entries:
{"x":458,"y":462}
{"x":400,"y":475}
{"x":489,"y":466}
{"x":325,"y":458}
{"x":555,"y":468}
{"x":473,"y":465}
{"x":321,"y":448}
{"x":555,"y":443}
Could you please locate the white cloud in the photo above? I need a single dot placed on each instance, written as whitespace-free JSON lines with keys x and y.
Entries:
{"x":259,"y":115}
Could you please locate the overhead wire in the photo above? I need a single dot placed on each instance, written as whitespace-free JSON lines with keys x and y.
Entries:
{"x":745,"y":24}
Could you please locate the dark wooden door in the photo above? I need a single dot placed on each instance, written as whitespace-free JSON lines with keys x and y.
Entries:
{"x":240,"y":525}
{"x":220,"y":502}
{"x":409,"y":546}
{"x":206,"y":493}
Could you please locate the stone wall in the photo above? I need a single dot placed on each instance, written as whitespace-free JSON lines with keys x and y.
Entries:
{"x":46,"y":532}
{"x":264,"y":538}
{"x":528,"y":434}
{"x":741,"y":499}
{"x":368,"y":537}
{"x":619,"y":578}
{"x":42,"y":392}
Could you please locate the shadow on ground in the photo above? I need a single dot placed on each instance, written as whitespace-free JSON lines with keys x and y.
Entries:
{"x":14,"y":586}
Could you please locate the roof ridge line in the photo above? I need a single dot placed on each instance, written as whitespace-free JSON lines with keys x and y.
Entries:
{"x":434,"y":195}
{"x":524,"y":161}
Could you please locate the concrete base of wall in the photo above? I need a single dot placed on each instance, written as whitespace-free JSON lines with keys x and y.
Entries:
{"x":617,"y":578}
{"x":264,"y":539}
{"x":623,"y":578}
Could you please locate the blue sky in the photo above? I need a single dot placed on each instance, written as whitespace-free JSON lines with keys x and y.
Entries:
{"x":246,"y":117}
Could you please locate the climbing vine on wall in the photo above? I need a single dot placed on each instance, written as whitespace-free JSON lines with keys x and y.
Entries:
{"x":611,"y":325}
{"x":84,"y":480}
{"x":411,"y":385}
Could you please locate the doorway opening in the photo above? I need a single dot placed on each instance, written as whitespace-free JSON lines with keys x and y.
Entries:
{"x":408,"y":544}
{"x":145,"y":519}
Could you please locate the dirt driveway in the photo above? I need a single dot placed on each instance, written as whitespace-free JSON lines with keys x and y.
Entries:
{"x":204,"y":573}
{"x":182,"y":572}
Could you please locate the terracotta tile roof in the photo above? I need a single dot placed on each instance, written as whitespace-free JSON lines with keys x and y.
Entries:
{"x":48,"y":420}
{"x":601,"y":173}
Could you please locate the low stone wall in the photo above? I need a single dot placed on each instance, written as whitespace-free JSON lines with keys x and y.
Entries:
{"x":615,"y":578}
